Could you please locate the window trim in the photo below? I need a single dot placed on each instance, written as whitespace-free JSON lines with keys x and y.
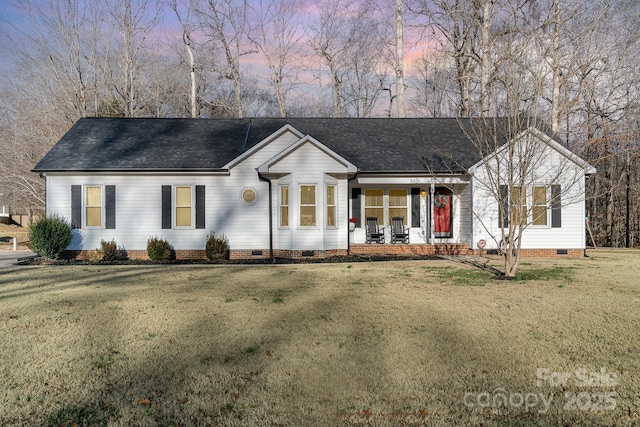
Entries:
{"x":300,"y":205}
{"x":386,"y":216}
{"x":249,"y":202}
{"x":85,"y":206}
{"x":547,"y":206}
{"x":335,"y":205}
{"x":529,"y":205}
{"x":384,"y":206}
{"x":174,"y":207}
{"x":405,"y":207}
{"x":288,"y":206}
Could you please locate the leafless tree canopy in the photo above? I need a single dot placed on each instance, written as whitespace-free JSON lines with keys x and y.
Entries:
{"x":575,"y":62}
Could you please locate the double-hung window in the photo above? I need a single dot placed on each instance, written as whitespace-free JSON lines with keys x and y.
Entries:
{"x":93,"y":206}
{"x":518,"y":205}
{"x":384,"y":204}
{"x":284,"y":206}
{"x":331,"y":206}
{"x":308,"y":206}
{"x":398,"y":204}
{"x":539,"y":206}
{"x":546,"y":207}
{"x":374,"y":204}
{"x":183,"y":206}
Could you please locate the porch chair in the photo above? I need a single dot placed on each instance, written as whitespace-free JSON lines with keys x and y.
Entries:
{"x":399,"y":234}
{"x":374,"y":232}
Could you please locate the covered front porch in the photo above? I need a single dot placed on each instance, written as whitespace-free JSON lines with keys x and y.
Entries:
{"x":434,"y":211}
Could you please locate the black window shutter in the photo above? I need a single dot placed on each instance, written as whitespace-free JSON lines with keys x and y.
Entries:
{"x":356,"y":203}
{"x":110,"y":206}
{"x":200,"y":206}
{"x":76,"y":206}
{"x":415,"y":207}
{"x":504,"y":199}
{"x":166,"y":206}
{"x":556,"y":211}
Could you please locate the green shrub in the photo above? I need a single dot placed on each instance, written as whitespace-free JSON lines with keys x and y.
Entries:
{"x":108,"y":251}
{"x":49,"y":236}
{"x":217,"y":248}
{"x":158,"y":249}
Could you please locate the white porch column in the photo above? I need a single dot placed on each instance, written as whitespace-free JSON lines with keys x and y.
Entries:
{"x":432,"y":237}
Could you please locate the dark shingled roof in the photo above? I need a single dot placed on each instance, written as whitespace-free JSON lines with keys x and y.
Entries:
{"x":149,"y":144}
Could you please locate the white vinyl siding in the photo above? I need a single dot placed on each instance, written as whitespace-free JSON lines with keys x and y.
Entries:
{"x":571,"y":235}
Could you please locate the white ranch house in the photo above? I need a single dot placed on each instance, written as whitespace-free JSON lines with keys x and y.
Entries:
{"x":292,"y":187}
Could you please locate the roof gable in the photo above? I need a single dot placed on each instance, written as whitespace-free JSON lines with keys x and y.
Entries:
{"x":287,"y":128}
{"x":544,"y":138}
{"x":271,"y":164}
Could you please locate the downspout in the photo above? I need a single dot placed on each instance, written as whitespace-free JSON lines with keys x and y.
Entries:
{"x":43,"y":177}
{"x":261,"y":178}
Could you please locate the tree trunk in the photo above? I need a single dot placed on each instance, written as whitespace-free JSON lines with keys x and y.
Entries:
{"x":400,"y":61}
{"x":555,"y":96}
{"x":485,"y":60}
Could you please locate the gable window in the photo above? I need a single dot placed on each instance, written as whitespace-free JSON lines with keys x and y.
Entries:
{"x":398,"y":204}
{"x":249,"y":196}
{"x":183,"y":206}
{"x":374,"y":204}
{"x":331,"y":206}
{"x":307,"y":205}
{"x":539,"y":206}
{"x":93,"y":206}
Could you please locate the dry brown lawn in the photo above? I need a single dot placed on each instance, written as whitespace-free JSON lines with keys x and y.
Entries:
{"x":387,"y":343}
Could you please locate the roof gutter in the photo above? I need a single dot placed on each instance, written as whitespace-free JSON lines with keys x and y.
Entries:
{"x":139,"y":171}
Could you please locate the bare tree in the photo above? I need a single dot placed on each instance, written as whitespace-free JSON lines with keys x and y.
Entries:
{"x":451,"y":25}
{"x":134,"y":20}
{"x":276,"y":34}
{"x":224,"y":23}
{"x":186,"y":19}
{"x":436,"y":93}
{"x":402,"y":112}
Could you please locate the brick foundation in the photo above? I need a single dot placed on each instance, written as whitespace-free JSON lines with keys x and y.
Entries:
{"x":360,"y":249}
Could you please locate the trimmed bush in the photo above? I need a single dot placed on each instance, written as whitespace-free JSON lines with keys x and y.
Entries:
{"x":49,"y":236}
{"x":95,"y":256}
{"x":108,"y":252}
{"x":158,"y":249}
{"x":217,"y":248}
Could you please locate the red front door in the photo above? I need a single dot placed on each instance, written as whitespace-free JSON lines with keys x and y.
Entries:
{"x":442,"y":213}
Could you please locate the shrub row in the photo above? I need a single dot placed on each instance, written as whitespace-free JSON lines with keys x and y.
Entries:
{"x":49,"y":237}
{"x":216,"y":248}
